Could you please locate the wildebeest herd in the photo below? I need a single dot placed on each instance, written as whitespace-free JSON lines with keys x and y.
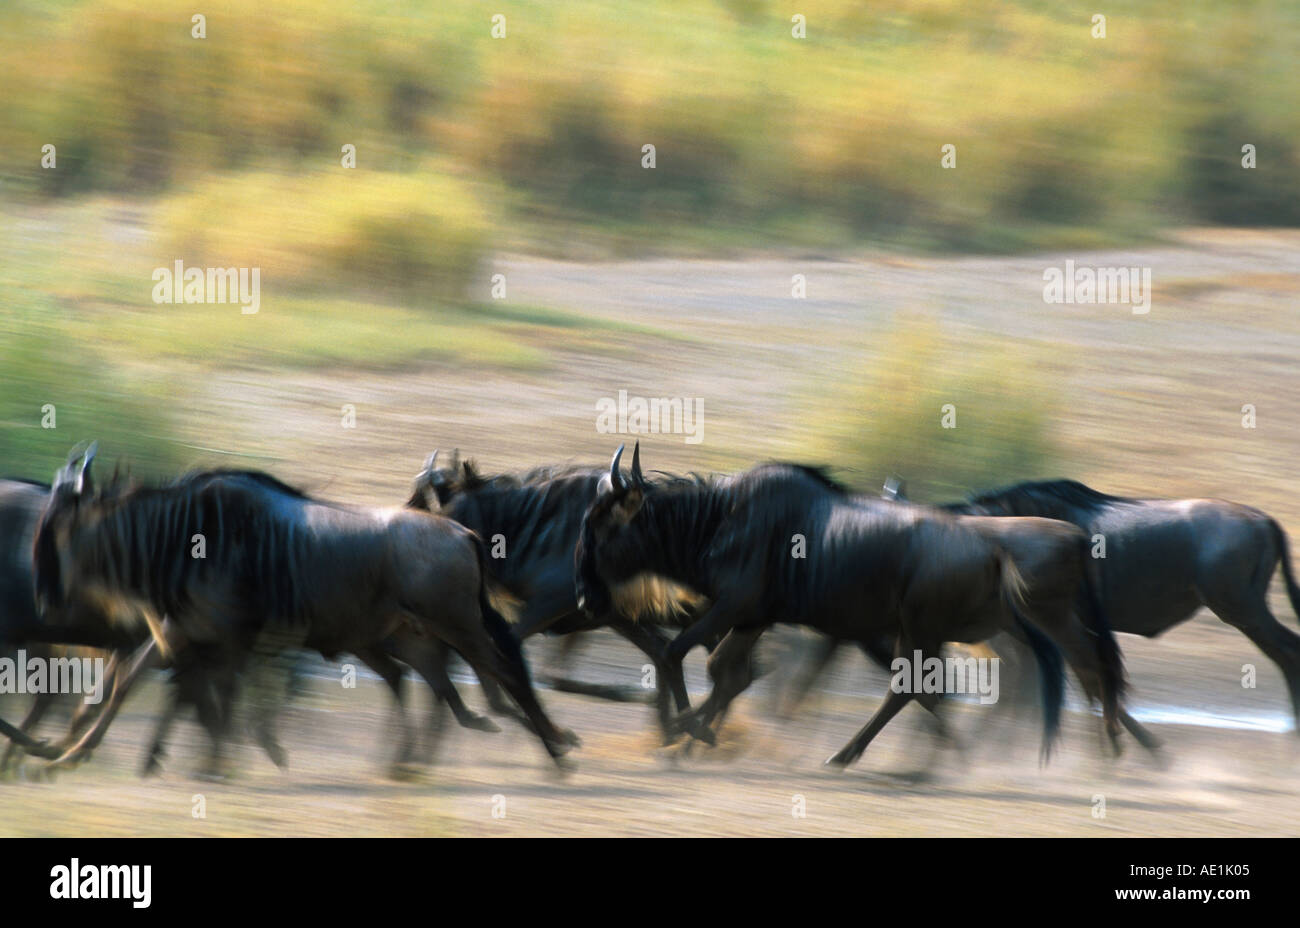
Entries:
{"x":218,"y":573}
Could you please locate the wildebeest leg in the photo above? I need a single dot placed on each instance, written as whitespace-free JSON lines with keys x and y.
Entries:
{"x":271,"y":661}
{"x":880,"y":652}
{"x":669,"y":679}
{"x":211,"y":688}
{"x":1256,"y":621}
{"x":1140,"y":732}
{"x":158,"y":746}
{"x":542,"y":611}
{"x":26,"y":742}
{"x":498,"y":655}
{"x":1059,"y":619}
{"x":429,"y":658}
{"x":439,"y":679}
{"x":823,"y":650}
{"x":391,"y":671}
{"x":716,"y":622}
{"x":731,"y":668}
{"x":40,"y":705}
{"x":893,"y":704}
{"x":122,"y":683}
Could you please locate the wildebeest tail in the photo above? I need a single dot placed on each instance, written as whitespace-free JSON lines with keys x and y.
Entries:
{"x":498,"y":628}
{"x":1051,"y":666}
{"x":1284,"y":555}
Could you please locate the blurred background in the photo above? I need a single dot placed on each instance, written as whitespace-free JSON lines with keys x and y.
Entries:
{"x":500,"y":259}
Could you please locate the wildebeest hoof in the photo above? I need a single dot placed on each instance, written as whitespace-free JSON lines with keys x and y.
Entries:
{"x":701,"y":732}
{"x":67,"y":761}
{"x":570,"y":737}
{"x":278,"y":755}
{"x":561,"y":747}
{"x":404,"y":771}
{"x":480,"y":723}
{"x":45,"y":750}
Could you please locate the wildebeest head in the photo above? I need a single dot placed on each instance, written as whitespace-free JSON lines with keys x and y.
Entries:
{"x":433,"y":482}
{"x":606,"y":552}
{"x":72,"y":485}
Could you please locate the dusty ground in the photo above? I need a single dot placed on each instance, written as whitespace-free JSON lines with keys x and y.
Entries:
{"x":1154,"y":408}
{"x":1216,"y":782}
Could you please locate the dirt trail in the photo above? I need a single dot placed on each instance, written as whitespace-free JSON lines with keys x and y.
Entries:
{"x":1218,"y":782}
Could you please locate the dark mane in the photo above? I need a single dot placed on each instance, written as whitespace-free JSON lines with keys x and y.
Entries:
{"x":1069,"y":492}
{"x":822,"y":475}
{"x":539,"y":512}
{"x":688,"y":526}
{"x":818,"y":473}
{"x":140,"y":539}
{"x":256,"y":476}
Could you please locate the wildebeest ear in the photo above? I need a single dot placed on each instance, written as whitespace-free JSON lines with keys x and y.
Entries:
{"x":629,"y":504}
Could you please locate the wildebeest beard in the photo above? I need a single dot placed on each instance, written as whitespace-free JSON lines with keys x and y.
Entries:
{"x":663,"y":551}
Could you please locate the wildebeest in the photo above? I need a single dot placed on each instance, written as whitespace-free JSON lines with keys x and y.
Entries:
{"x":867,"y":568}
{"x":21,"y":502}
{"x":223,"y":555}
{"x":1165,"y":558}
{"x":537,"y":517}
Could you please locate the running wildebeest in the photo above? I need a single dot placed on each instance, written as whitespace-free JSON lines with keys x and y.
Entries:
{"x":21,"y":503}
{"x":1065,"y":577}
{"x":869,"y":568}
{"x":1166,"y":558}
{"x":538,"y":516}
{"x":275,"y":558}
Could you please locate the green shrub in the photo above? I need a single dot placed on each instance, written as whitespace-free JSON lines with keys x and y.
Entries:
{"x":419,"y":235}
{"x":50,"y":379}
{"x":891,"y":421}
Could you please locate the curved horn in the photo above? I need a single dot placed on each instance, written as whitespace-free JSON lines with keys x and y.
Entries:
{"x":637,"y":477}
{"x":427,"y":469}
{"x":77,"y":451}
{"x":616,"y":478}
{"x":85,"y":465}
